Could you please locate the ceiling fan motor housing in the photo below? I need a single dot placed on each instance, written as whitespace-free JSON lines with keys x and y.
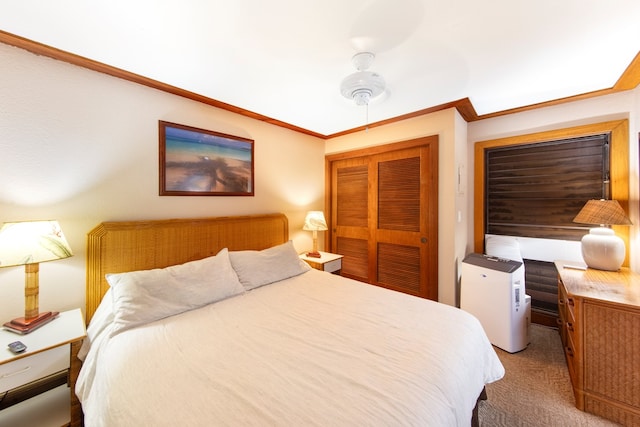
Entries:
{"x":362,"y":86}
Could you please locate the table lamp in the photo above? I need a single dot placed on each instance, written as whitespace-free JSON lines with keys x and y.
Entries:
{"x":30,"y":243}
{"x":601,"y":248}
{"x":314,"y":221}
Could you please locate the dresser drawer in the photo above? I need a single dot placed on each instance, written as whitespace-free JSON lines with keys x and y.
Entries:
{"x":570,"y":355}
{"x":31,"y":368}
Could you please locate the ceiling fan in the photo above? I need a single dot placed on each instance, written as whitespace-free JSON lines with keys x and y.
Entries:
{"x":363,"y":85}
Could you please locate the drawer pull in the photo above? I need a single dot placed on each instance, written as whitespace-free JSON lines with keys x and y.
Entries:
{"x":21,"y":371}
{"x":561,"y":302}
{"x":570,"y":301}
{"x":570,"y":326}
{"x":569,"y":351}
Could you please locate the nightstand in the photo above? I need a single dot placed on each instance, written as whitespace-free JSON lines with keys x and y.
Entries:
{"x":41,"y":380}
{"x":328,"y":262}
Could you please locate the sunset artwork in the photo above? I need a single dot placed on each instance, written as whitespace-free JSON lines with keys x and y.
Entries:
{"x":199,"y":162}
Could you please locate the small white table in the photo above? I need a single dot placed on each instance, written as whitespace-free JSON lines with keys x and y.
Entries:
{"x":331,"y":263}
{"x":51,"y":351}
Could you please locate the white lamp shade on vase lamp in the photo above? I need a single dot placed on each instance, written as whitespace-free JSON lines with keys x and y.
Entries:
{"x":314,"y":221}
{"x":601,"y":248}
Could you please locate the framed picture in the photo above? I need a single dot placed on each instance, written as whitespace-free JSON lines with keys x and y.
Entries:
{"x":198,"y":162}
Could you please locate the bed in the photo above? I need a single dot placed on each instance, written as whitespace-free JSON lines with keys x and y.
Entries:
{"x":217,"y":321}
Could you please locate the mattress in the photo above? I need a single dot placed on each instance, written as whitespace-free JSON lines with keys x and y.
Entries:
{"x":315,"y":349}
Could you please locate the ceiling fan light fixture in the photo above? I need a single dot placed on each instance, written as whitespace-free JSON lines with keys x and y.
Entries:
{"x":362,"y":86}
{"x":362,"y":97}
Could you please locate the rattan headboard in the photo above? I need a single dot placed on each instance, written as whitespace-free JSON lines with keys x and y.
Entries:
{"x":116,"y":247}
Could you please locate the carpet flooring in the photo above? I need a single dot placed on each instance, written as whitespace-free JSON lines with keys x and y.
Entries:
{"x":536,"y":389}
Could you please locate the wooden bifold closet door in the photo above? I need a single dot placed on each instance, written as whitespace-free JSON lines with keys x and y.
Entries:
{"x":384,"y":217}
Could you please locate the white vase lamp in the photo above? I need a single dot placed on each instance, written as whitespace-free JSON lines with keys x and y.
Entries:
{"x":601,"y":248}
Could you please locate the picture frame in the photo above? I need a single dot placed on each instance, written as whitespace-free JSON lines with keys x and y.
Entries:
{"x":199,"y":162}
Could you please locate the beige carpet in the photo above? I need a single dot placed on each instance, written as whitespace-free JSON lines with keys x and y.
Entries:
{"x":536,"y":389}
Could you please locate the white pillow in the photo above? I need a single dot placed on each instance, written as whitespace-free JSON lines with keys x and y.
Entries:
{"x":259,"y":268}
{"x":141,"y":297}
{"x":506,"y":247}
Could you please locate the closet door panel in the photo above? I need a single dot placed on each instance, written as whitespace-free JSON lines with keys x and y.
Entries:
{"x":350,"y":216}
{"x":399,"y":268}
{"x":402,"y":233}
{"x":399,"y":194}
{"x":355,"y":262}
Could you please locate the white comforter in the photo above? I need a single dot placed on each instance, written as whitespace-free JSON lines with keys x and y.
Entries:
{"x":313,"y":350}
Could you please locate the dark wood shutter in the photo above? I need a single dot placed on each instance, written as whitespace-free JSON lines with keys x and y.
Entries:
{"x":537,"y":189}
{"x":541,"y":282}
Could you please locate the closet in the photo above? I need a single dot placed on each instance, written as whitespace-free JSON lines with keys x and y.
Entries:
{"x":383,"y":215}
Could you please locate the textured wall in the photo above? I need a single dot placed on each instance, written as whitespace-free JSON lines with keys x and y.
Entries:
{"x":82,"y":147}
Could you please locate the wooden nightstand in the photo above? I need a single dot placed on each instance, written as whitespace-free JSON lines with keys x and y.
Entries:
{"x":50,"y":359}
{"x":328,"y":262}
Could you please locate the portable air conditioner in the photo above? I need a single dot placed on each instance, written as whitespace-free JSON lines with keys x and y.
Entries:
{"x":493,"y":290}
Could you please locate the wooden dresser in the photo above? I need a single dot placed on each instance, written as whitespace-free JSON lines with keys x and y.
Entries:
{"x":600,"y":330}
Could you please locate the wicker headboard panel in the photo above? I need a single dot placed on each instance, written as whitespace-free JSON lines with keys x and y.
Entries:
{"x":116,"y":247}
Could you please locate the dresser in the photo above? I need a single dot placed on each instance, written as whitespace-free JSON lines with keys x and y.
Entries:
{"x":599,"y":319}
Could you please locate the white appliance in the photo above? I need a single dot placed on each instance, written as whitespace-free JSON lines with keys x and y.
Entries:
{"x":493,"y":290}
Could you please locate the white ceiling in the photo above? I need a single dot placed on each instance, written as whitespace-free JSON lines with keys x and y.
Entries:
{"x":285,"y":59}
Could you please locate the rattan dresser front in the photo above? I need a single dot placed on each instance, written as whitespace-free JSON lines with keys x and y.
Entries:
{"x":600,"y":331}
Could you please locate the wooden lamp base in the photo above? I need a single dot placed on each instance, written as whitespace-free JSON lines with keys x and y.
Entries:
{"x":22,"y":325}
{"x":32,"y":319}
{"x":314,"y":253}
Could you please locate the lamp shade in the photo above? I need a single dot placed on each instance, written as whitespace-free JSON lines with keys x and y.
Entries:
{"x":601,"y":248}
{"x":32,"y":242}
{"x":314,"y":221}
{"x":602,"y":212}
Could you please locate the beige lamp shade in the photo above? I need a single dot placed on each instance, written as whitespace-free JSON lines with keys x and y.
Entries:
{"x":602,"y":212}
{"x":601,"y":248}
{"x":314,"y":221}
{"x":30,"y":243}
